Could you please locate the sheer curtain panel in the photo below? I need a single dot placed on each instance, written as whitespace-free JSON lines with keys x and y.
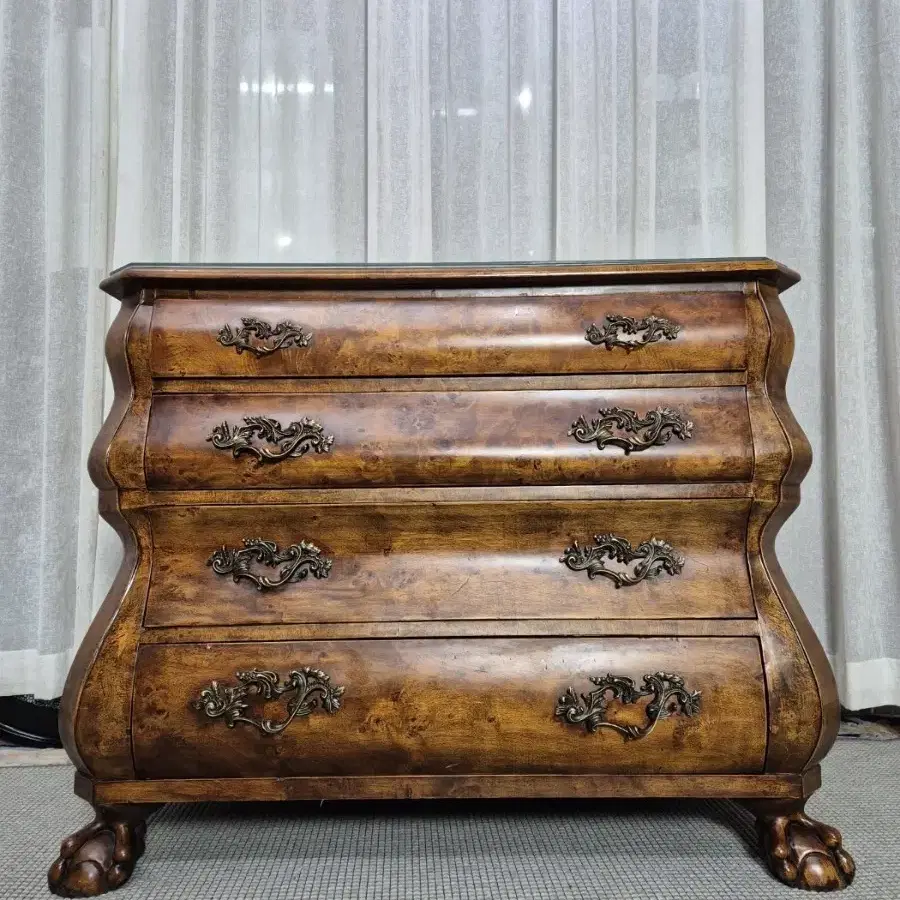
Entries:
{"x":54,"y":182}
{"x":439,"y":130}
{"x":833,"y":186}
{"x":456,"y":130}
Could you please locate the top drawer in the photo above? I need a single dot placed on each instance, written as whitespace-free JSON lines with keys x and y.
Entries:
{"x":489,"y":332}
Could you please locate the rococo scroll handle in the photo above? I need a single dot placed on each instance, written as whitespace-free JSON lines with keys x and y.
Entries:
{"x":650,"y":559}
{"x":297,"y":562}
{"x":261,"y":338}
{"x":291,"y":442}
{"x":668,"y":697}
{"x":307,"y":690}
{"x":644,"y":331}
{"x":627,"y":429}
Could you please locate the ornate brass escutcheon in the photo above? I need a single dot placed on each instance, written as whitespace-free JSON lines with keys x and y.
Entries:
{"x":297,"y":562}
{"x":651,"y":558}
{"x":626,"y":429}
{"x":291,"y":442}
{"x":667,"y":693}
{"x":261,"y":338}
{"x":644,"y":331}
{"x":308,"y":690}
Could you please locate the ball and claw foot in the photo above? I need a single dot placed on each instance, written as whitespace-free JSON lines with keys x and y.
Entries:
{"x":99,"y":857}
{"x":804,"y":853}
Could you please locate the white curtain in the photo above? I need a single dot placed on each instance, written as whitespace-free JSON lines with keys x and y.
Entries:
{"x":833,"y":196}
{"x":439,"y":130}
{"x":455,"y":130}
{"x":54,"y":183}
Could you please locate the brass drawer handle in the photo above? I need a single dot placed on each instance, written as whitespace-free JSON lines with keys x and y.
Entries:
{"x":311,"y":689}
{"x":297,"y":562}
{"x":253,"y":334}
{"x":667,"y":693}
{"x":652,"y":558}
{"x":616,"y":426}
{"x":654,"y":328}
{"x":294,"y":441}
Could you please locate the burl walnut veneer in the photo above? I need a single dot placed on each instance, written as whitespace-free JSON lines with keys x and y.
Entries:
{"x":449,"y":532}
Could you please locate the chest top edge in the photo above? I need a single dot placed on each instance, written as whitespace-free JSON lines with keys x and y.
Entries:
{"x":134,"y":277}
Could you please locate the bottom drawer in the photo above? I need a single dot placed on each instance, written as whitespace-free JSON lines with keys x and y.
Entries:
{"x":449,"y":707}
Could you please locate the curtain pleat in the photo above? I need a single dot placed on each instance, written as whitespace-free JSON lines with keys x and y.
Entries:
{"x":447,"y":130}
{"x":54,"y":178}
{"x":452,"y":130}
{"x":832,"y":137}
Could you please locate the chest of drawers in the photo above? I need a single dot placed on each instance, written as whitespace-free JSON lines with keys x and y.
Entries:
{"x":449,"y":532}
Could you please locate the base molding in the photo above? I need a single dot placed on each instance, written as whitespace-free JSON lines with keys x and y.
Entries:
{"x":420,"y":787}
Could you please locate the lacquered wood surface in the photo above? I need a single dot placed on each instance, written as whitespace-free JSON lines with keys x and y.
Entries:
{"x":433,"y":561}
{"x":451,"y":707}
{"x":95,"y":710}
{"x":367,"y":496}
{"x":199,"y":278}
{"x":423,"y":787}
{"x":448,"y":383}
{"x":804,"y":713}
{"x":451,"y":492}
{"x":460,"y":438}
{"x":453,"y":628}
{"x":361,"y":334}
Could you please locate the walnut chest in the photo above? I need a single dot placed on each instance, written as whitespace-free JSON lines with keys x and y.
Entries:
{"x":449,"y":532}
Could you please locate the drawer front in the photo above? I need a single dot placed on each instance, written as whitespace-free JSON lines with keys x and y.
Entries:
{"x":488,"y":333}
{"x":438,"y":707}
{"x":408,"y":562}
{"x":198,"y":441}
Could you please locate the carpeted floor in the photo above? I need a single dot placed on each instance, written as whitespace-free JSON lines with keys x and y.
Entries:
{"x":572,"y":850}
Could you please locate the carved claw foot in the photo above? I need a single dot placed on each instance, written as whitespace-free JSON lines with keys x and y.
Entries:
{"x":804,"y":853}
{"x":99,"y":857}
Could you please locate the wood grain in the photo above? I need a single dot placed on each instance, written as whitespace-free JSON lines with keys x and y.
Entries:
{"x":358,"y":335}
{"x":95,"y":709}
{"x":441,"y":384}
{"x":446,"y":503}
{"x":117,"y":359}
{"x":476,"y":437}
{"x":794,"y":702}
{"x":804,"y":708}
{"x":119,"y":458}
{"x":449,"y":561}
{"x":434,"y":707}
{"x":201,"y":278}
{"x":424,"y":787}
{"x":222,"y":634}
{"x":367,"y":496}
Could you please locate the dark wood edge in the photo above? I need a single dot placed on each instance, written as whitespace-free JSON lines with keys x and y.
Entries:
{"x":122,"y":459}
{"x":781,"y":458}
{"x":120,"y":373}
{"x":463,"y":628}
{"x":812,"y":780}
{"x":663,"y":493}
{"x":82,"y":689}
{"x":131,"y":277}
{"x":421,"y":787}
{"x":238,"y":384}
{"x":117,"y":341}
{"x":801,"y":461}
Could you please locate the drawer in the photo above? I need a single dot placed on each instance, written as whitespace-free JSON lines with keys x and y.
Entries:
{"x":427,"y":561}
{"x":224,"y":440}
{"x":439,"y":707}
{"x":522,"y":332}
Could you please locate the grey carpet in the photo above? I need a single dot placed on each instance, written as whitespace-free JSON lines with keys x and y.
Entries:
{"x":487,"y":850}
